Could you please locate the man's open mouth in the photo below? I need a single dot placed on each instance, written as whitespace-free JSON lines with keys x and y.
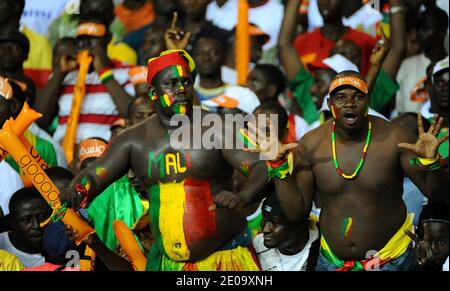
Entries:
{"x":350,"y":118}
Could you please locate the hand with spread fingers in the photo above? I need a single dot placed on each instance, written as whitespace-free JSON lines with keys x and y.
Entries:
{"x":269,"y":147}
{"x":174,"y":37}
{"x":427,"y":145}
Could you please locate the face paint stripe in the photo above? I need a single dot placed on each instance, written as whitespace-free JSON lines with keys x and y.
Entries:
{"x":180,"y":71}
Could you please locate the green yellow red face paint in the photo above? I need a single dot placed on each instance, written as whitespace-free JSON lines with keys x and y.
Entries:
{"x":166,"y":100}
{"x":347,"y":226}
{"x":169,"y":164}
{"x":246,"y":140}
{"x":86,"y":183}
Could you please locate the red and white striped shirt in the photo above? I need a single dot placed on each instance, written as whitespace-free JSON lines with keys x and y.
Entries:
{"x":98,"y":110}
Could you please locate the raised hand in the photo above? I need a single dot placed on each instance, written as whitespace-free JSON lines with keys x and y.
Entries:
{"x":66,"y":63}
{"x":380,"y":50}
{"x":270,"y":148}
{"x":100,"y":58}
{"x":427,"y":145}
{"x":174,"y":37}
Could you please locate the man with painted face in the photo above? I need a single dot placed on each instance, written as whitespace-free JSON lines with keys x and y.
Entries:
{"x":356,"y":162}
{"x":194,"y":217}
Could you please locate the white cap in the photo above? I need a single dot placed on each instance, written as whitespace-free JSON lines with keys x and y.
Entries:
{"x":339,"y":63}
{"x":440,"y":66}
{"x":235,"y":97}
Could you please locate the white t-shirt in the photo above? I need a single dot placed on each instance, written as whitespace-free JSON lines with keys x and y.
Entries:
{"x":445,"y":266}
{"x":39,"y":14}
{"x":411,"y":77}
{"x":98,"y":110}
{"x":273,"y":260}
{"x":267,"y":17}
{"x":10,"y":182}
{"x":365,"y":19}
{"x":28,"y":260}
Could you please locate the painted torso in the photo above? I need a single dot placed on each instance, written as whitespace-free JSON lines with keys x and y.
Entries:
{"x":182,"y":183}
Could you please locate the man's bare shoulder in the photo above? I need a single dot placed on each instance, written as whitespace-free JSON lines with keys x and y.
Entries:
{"x":314,"y":137}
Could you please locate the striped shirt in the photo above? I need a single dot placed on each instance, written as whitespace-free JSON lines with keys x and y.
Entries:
{"x":98,"y":110}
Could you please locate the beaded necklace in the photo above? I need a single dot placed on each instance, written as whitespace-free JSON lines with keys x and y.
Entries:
{"x":361,"y":162}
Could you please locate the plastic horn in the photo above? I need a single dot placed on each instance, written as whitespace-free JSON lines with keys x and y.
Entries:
{"x":25,"y":118}
{"x":129,"y":245}
{"x":84,"y":61}
{"x":41,"y":181}
{"x":242,"y":43}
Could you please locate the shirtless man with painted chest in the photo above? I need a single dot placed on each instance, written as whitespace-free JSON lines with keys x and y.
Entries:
{"x":185,"y":185}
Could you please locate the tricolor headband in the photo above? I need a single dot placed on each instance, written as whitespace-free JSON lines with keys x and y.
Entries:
{"x":167,"y":59}
{"x":352,"y":81}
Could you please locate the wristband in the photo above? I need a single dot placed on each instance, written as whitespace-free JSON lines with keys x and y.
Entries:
{"x":81,"y":190}
{"x":280,"y":169}
{"x":105,"y":75}
{"x":427,"y":164}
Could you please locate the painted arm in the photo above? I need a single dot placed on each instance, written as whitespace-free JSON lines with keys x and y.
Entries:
{"x":297,"y":203}
{"x":287,"y":53}
{"x":433,"y":184}
{"x":255,"y":170}
{"x":114,"y":164}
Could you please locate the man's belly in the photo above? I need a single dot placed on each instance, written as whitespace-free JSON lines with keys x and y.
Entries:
{"x":183,"y":217}
{"x":360,"y":235}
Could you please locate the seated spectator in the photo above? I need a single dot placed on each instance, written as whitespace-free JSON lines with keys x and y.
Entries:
{"x":432,"y":239}
{"x":437,"y":87}
{"x":28,"y":209}
{"x":431,"y":28}
{"x":284,"y":245}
